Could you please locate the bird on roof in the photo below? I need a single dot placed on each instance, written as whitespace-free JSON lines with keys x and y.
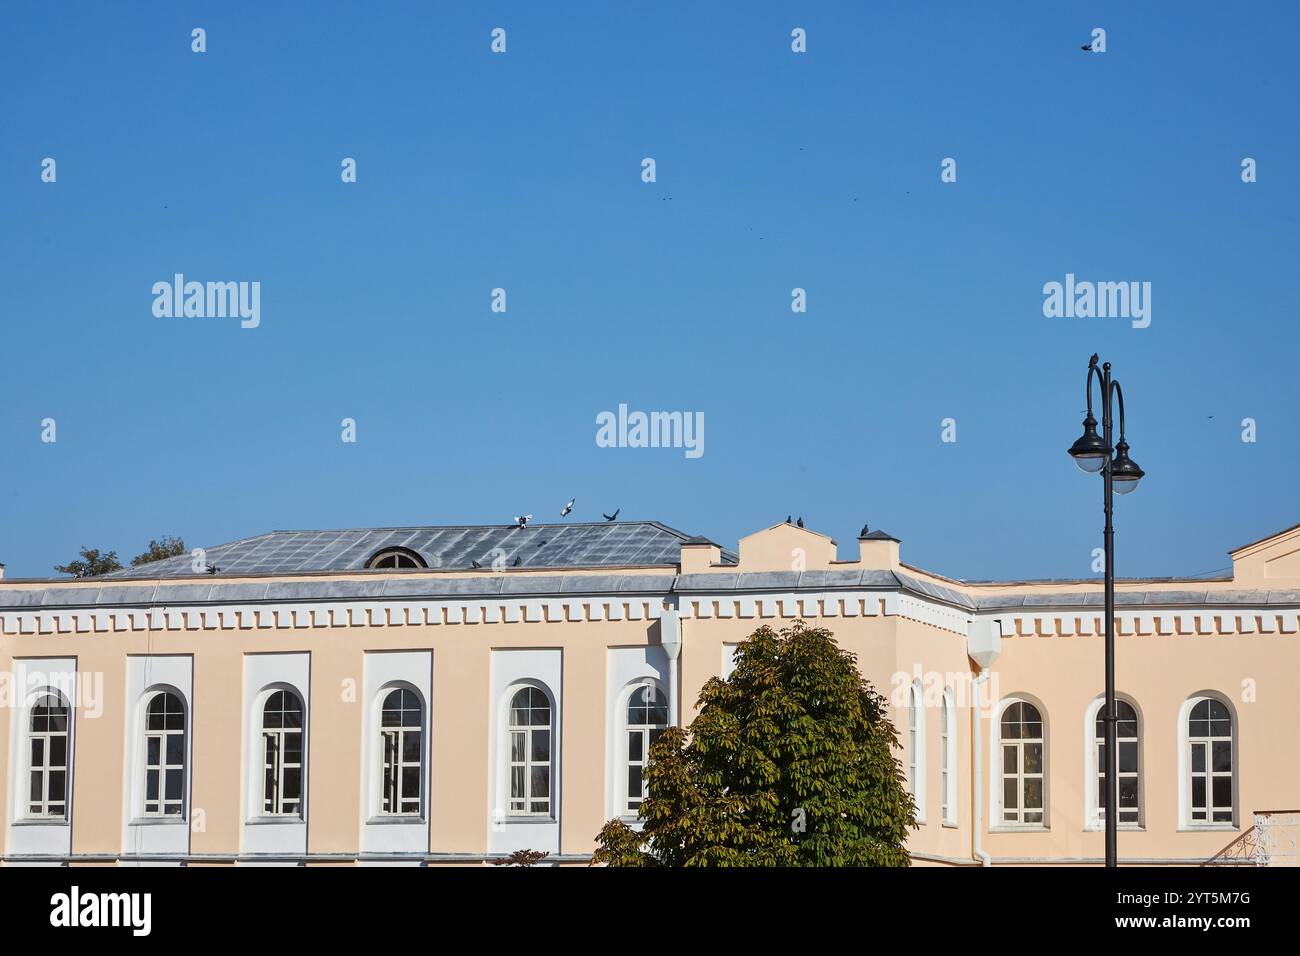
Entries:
{"x":612,"y":517}
{"x":568,"y":507}
{"x":800,"y":521}
{"x":788,"y":519}
{"x":213,"y":569}
{"x":521,"y":520}
{"x":863,"y":532}
{"x":518,"y":561}
{"x":1087,"y":48}
{"x":475,"y":563}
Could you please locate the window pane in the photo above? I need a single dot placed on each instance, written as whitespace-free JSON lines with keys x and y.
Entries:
{"x":38,"y":752}
{"x":1034,"y":794}
{"x":1198,"y":758}
{"x":517,"y":782}
{"x":410,"y":782}
{"x":152,"y":746}
{"x":1128,"y":757}
{"x":292,"y":784}
{"x":1009,"y":760}
{"x":1128,"y":792}
{"x":1033,"y":758}
{"x":1222,"y":755}
{"x":1222,"y":791}
{"x":411,"y":746}
{"x":151,"y":785}
{"x":174,"y":784}
{"x":633,"y":783}
{"x":541,"y":782}
{"x":517,"y":746}
{"x":36,"y":783}
{"x":1198,"y":791}
{"x":1009,"y":796}
{"x":541,"y":745}
{"x":634,"y":746}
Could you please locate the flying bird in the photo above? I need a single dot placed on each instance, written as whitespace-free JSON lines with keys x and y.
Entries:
{"x":612,"y":517}
{"x":521,"y":520}
{"x":568,"y":507}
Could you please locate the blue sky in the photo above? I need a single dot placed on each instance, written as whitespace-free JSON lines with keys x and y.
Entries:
{"x":522,"y":171}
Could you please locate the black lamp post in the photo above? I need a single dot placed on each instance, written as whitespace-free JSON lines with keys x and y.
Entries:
{"x":1120,"y":474}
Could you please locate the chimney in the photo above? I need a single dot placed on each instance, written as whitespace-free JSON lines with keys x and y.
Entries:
{"x":699,"y":554}
{"x":879,"y":550}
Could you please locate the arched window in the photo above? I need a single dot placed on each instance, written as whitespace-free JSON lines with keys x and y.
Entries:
{"x":1129,"y":738}
{"x":395,"y":558}
{"x":530,"y":752}
{"x":1023,"y":751}
{"x":47,"y":742}
{"x":948,"y":758}
{"x":164,"y":756}
{"x":1210,"y":761}
{"x":401,"y":726}
{"x":282,"y":758}
{"x":916,"y":748}
{"x":646,"y":718}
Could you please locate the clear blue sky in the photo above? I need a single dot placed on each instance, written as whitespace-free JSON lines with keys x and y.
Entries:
{"x":523,"y":171}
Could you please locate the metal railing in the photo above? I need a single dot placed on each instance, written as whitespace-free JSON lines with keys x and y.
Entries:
{"x":1273,"y":840}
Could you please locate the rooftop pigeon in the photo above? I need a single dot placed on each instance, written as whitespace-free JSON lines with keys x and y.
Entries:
{"x":518,"y":561}
{"x":800,"y":521}
{"x":475,"y":563}
{"x":1086,"y":49}
{"x":568,"y":507}
{"x":521,"y":520}
{"x":863,"y":532}
{"x":612,"y":517}
{"x":788,"y":519}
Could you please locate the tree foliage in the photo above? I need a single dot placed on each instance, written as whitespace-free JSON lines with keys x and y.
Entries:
{"x":91,"y":563}
{"x":789,"y":762}
{"x":169,"y":547}
{"x":522,"y":858}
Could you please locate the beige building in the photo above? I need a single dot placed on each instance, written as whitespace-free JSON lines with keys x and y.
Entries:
{"x":450,"y":695}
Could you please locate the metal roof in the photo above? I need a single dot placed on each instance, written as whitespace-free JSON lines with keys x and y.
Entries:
{"x":570,"y":545}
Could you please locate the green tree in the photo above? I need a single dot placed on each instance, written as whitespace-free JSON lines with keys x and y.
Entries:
{"x":169,"y":547}
{"x":91,"y":563}
{"x":789,"y":762}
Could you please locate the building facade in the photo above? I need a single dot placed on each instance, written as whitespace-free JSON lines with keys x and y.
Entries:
{"x":431,"y":696}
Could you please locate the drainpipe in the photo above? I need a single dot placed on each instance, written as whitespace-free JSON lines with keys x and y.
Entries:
{"x":983,"y":646}
{"x":978,"y":850}
{"x":670,"y":636}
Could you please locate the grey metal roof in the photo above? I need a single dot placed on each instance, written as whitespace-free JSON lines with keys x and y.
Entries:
{"x":490,"y":584}
{"x":570,"y":545}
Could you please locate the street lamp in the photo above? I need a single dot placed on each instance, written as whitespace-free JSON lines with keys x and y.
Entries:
{"x":1092,"y":453}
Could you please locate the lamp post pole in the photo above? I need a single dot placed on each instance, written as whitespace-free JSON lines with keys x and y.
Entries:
{"x":1112,"y":760}
{"x":1120,"y":474}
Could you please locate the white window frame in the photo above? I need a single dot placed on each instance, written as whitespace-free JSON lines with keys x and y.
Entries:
{"x":1094,"y":771}
{"x":626,"y":730}
{"x":278,"y":734}
{"x":46,"y":737}
{"x":528,"y":764}
{"x":162,"y":767}
{"x":393,"y":740}
{"x":1186,"y":747}
{"x":948,"y":758}
{"x":999,"y":775}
